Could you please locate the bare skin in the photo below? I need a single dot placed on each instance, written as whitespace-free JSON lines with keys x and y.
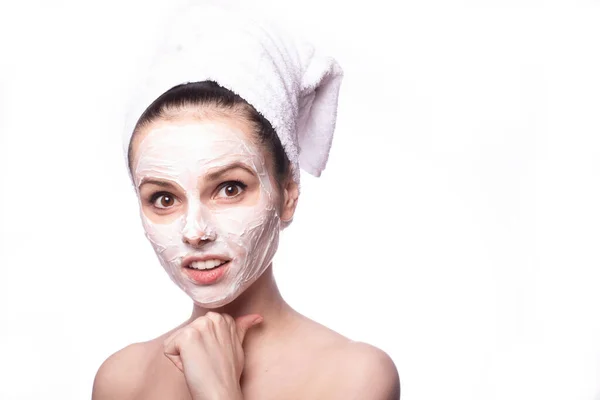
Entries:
{"x":288,"y":356}
{"x":284,"y":356}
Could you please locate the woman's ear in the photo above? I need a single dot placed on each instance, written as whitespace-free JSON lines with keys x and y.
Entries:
{"x":290,"y":200}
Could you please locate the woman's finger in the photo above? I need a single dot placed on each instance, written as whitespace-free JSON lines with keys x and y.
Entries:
{"x":202,"y":324}
{"x":175,"y":360}
{"x":220,"y":328}
{"x":172,"y":350}
{"x":246,"y":322}
{"x":188,"y":347}
{"x":229,"y":319}
{"x":172,"y":336}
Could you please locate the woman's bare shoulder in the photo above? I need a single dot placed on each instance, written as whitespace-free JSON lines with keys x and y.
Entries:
{"x":360,"y":370}
{"x":353,"y":369}
{"x":121,"y":375}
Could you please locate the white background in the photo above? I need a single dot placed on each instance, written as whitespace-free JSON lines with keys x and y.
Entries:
{"x":456,"y":226}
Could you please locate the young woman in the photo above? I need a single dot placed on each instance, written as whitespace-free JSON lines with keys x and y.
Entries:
{"x":216,"y":184}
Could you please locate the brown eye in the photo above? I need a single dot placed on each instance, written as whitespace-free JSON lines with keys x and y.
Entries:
{"x":163,"y":200}
{"x":166,"y":201}
{"x":231,"y":189}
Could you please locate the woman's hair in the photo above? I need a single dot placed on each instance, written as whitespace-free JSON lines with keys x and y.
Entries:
{"x":208,"y":94}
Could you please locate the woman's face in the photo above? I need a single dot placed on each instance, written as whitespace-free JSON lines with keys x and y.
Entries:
{"x":208,"y":204}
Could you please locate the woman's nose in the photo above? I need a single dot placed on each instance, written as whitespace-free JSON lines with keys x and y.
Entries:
{"x":197,"y":232}
{"x":197,"y":237}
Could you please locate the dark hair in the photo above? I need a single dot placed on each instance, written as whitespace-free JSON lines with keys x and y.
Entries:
{"x":221,"y":100}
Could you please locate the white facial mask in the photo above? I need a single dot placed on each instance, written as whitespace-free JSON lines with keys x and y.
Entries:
{"x":247,"y":233}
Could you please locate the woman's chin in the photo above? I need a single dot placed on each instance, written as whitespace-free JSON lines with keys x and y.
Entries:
{"x":215,"y":299}
{"x":212,"y":303}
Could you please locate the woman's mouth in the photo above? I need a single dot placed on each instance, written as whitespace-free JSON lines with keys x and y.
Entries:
{"x":206,"y":272}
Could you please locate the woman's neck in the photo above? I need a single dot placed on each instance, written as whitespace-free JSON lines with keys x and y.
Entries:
{"x":266,"y":341}
{"x":262,"y":297}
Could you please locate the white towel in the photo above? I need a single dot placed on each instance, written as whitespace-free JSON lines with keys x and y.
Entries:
{"x":285,"y":79}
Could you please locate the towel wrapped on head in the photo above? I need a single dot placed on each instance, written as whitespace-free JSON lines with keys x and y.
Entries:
{"x":285,"y":79}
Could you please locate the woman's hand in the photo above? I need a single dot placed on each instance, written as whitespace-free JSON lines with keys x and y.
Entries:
{"x":209,"y":353}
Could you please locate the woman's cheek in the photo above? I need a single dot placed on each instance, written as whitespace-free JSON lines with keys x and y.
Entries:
{"x":260,"y":238}
{"x":244,"y":223}
{"x":165,"y":238}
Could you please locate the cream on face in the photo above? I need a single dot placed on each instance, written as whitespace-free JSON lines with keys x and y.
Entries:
{"x":204,"y":217}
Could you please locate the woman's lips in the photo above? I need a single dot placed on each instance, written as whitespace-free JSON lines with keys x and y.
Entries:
{"x":205,"y":276}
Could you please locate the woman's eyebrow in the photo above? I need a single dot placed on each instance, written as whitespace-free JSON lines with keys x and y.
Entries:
{"x":156,"y":182}
{"x":212,"y":176}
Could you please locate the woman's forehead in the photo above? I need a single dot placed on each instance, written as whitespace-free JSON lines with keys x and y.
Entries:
{"x":187,"y":151}
{"x":192,"y":141}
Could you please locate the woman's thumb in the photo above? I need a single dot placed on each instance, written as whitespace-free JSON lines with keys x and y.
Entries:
{"x":246,"y":322}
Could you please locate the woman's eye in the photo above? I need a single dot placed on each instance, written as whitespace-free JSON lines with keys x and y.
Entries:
{"x":231,"y":189}
{"x":163,"y":200}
